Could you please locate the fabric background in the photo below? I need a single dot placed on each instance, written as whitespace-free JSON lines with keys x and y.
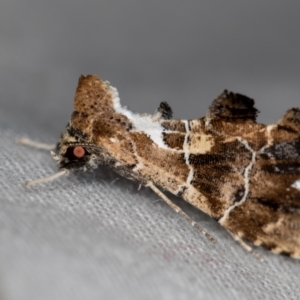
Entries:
{"x":95,"y":236}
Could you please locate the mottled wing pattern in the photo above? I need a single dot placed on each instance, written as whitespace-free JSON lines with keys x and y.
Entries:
{"x":244,"y":174}
{"x":232,"y":106}
{"x":247,"y":171}
{"x":271,"y":214}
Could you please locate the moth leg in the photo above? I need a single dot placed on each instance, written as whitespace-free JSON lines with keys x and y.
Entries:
{"x":52,"y":177}
{"x":179,"y":210}
{"x":245,"y":245}
{"x":37,"y":145}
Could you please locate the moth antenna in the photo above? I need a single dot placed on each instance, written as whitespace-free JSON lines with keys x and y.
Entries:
{"x":52,"y":177}
{"x":34,"y":144}
{"x":179,"y":210}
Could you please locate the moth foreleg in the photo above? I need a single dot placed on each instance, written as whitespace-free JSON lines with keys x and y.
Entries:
{"x":37,"y":145}
{"x":179,"y":210}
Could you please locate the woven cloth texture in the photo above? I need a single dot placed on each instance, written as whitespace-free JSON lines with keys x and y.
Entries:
{"x":95,"y":235}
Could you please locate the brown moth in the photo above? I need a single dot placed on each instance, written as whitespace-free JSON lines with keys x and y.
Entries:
{"x":243,"y":174}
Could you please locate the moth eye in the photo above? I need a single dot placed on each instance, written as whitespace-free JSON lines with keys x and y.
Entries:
{"x":79,"y":151}
{"x":76,"y":152}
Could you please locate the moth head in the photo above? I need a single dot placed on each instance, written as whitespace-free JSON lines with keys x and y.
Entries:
{"x":75,"y":152}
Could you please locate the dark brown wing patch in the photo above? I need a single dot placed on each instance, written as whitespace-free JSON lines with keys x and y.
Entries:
{"x":291,"y":119}
{"x":174,"y":140}
{"x":232,"y":106}
{"x":165,"y":111}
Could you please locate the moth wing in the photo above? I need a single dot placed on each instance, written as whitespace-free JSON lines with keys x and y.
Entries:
{"x":93,"y":95}
{"x":233,"y":106}
{"x":291,"y":119}
{"x":280,"y":163}
{"x":163,"y":112}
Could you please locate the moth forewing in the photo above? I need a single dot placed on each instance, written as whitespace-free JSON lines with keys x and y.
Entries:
{"x":243,"y":174}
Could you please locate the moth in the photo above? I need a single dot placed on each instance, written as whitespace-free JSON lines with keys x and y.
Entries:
{"x":243,"y":174}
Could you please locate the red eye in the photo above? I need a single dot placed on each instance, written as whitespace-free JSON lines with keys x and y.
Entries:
{"x":79,"y":151}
